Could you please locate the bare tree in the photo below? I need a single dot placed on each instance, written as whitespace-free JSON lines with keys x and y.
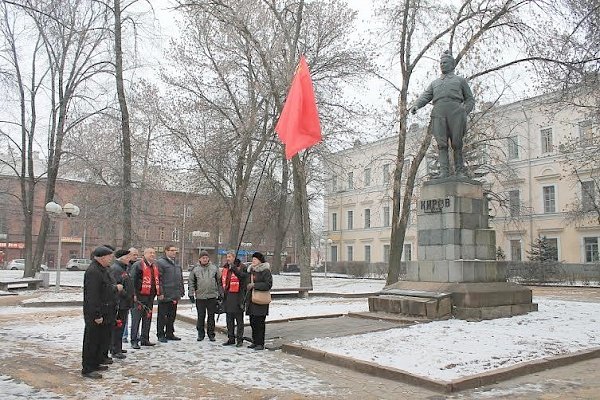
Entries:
{"x":66,"y":59}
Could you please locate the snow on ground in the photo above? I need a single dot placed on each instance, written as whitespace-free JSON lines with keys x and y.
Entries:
{"x":320,"y":283}
{"x":294,"y":307}
{"x":441,"y":350}
{"x":12,"y":389}
{"x":65,"y":334}
{"x":446,"y":350}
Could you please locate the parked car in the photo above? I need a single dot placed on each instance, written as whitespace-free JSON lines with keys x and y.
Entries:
{"x":19,"y":263}
{"x":78,"y":264}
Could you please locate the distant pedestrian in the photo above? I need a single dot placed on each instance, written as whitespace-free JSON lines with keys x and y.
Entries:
{"x":172,"y":289}
{"x":260,"y":280}
{"x":204,"y":288}
{"x":146,"y":283}
{"x":233,"y":281}
{"x":119,"y":273}
{"x":98,"y":311}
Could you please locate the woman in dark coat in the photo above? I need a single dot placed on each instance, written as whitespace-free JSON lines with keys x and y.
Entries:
{"x":260,"y":280}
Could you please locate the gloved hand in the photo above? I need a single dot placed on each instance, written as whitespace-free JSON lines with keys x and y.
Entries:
{"x":192,"y":299}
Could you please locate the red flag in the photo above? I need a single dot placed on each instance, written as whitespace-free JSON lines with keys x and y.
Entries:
{"x":298,"y":126}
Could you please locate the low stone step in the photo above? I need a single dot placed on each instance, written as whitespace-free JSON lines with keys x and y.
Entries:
{"x":427,"y":307}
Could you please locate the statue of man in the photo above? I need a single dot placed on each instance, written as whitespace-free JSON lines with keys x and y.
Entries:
{"x":452,"y":100}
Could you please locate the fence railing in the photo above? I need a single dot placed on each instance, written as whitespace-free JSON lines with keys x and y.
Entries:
{"x":519,"y":272}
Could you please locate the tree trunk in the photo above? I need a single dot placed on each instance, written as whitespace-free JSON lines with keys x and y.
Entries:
{"x":282,"y":213}
{"x":302,"y":221}
{"x":125,"y":131}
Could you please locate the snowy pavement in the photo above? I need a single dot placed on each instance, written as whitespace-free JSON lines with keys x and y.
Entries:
{"x":440,"y":350}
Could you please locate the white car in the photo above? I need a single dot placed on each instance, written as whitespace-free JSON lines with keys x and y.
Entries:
{"x":78,"y":264}
{"x":19,"y":263}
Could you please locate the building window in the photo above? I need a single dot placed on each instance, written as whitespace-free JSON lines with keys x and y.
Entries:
{"x":367,"y":218}
{"x":334,"y":222}
{"x":546,"y":137}
{"x":549,"y":199}
{"x":175,"y":235}
{"x":161,"y":233}
{"x":588,"y":195}
{"x":334,"y":255}
{"x":586,"y":134}
{"x":367,"y":177}
{"x":146,"y":233}
{"x":350,"y":251}
{"x":350,"y":180}
{"x":386,"y":174}
{"x":513,"y":147}
{"x":386,"y":216}
{"x":367,"y":253}
{"x":386,"y":253}
{"x":350,"y":219}
{"x":591,"y":249}
{"x":407,"y":253}
{"x":514,"y":203}
{"x":334,"y":187}
{"x":553,"y":242}
{"x":515,"y":250}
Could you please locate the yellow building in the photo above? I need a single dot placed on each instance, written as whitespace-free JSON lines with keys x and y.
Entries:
{"x":533,"y":190}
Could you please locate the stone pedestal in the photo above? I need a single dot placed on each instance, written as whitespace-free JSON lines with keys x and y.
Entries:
{"x":457,"y":260}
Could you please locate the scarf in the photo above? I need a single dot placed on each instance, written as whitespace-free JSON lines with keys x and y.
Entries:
{"x":147,"y":271}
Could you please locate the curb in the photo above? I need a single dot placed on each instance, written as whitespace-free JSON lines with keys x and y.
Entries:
{"x":469,"y":382}
{"x":74,"y":303}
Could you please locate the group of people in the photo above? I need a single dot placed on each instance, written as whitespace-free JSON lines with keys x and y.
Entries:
{"x":230,"y":288}
{"x":119,"y":283}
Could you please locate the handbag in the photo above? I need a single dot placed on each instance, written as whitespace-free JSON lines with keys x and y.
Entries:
{"x":260,"y":296}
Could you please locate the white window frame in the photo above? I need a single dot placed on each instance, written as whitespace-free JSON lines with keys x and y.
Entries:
{"x":584,"y":258}
{"x":387,"y":216}
{"x":367,"y":177}
{"x":367,"y":250}
{"x":350,"y":220}
{"x":350,"y":252}
{"x":512,"y":148}
{"x":367,"y":221}
{"x":554,"y":200}
{"x":546,"y":141}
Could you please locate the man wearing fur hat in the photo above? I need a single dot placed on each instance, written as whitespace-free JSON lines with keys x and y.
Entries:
{"x":452,"y":100}
{"x":261,"y":280}
{"x":204,"y":288}
{"x":99,"y":311}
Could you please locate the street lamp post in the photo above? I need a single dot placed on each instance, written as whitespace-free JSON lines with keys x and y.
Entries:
{"x":56,"y":210}
{"x":329,"y":241}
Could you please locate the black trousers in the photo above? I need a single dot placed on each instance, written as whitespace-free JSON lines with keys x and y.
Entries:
{"x":93,"y":351}
{"x":257,"y":322}
{"x":235,"y":320}
{"x":139,"y":313}
{"x":165,"y":322}
{"x":117,"y":332}
{"x":206,"y":309}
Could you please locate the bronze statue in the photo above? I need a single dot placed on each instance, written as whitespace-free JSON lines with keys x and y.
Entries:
{"x":452,"y":100}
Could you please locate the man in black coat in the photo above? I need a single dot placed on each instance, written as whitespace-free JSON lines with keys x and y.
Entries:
{"x":171,"y":282}
{"x":98,"y":311}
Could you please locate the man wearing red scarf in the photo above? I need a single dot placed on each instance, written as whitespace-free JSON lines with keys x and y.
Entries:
{"x":146,"y":282}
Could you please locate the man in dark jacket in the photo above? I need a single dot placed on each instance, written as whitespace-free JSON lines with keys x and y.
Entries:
{"x":98,"y":311}
{"x":119,"y":273}
{"x":146,"y":283}
{"x":171,"y":282}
